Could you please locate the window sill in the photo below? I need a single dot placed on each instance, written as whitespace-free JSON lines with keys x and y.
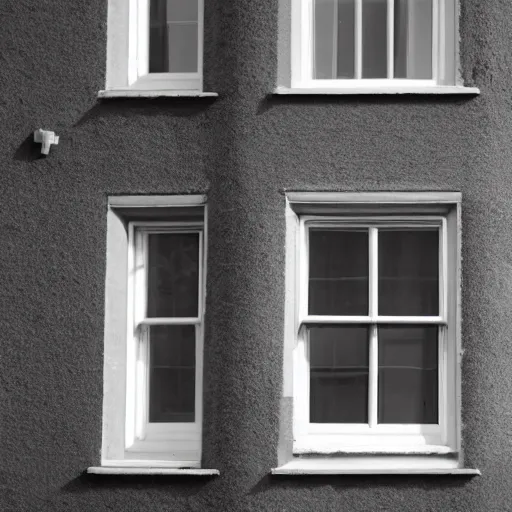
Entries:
{"x":104,"y":470}
{"x":436,"y":90}
{"x":141,"y":93}
{"x":371,"y":466}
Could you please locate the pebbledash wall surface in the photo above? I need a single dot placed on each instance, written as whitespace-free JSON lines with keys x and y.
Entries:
{"x":243,"y":149}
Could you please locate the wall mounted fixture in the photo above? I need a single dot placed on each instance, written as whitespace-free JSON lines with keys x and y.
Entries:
{"x":46,"y":138}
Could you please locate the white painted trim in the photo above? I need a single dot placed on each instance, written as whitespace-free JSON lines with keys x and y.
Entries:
{"x":411,"y":439}
{"x":358,"y":43}
{"x":156,"y":201}
{"x":128,"y":438}
{"x":444,"y":49}
{"x":141,"y":93}
{"x":374,"y":466}
{"x":149,"y":463}
{"x":128,"y":55}
{"x":390,"y":54}
{"x":381,"y":198}
{"x":390,"y":89}
{"x":104,"y":470}
{"x":340,"y":320}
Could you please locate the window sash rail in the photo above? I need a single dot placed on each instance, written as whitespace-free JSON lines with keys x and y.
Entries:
{"x":413,"y":320}
{"x":171,"y":321}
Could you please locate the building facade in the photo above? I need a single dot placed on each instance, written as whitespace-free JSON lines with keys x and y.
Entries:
{"x":249,"y":153}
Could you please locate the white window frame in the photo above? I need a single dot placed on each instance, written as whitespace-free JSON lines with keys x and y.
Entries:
{"x":446,"y":78}
{"x":129,"y":440}
{"x":128,"y":55}
{"x":425,"y":446}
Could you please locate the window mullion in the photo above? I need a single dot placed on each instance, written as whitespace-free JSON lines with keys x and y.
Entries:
{"x":142,"y":387}
{"x":373,"y":271}
{"x":358,"y":47}
{"x":373,"y":373}
{"x":373,"y":365}
{"x":391,"y":39}
{"x":335,"y":41}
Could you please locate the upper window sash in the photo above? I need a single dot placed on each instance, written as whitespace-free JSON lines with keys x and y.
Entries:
{"x":372,"y":224}
{"x":128,"y":50}
{"x":443,"y":59}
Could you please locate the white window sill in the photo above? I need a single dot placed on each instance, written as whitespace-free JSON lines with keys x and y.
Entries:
{"x":141,"y":93}
{"x":372,"y":466}
{"x":104,"y":470}
{"x":434,"y":90}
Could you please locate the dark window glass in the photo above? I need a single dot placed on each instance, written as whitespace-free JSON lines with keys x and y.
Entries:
{"x":413,"y":39}
{"x":408,"y":374}
{"x":338,"y":374}
{"x":173,"y":273}
{"x":409,"y":272}
{"x":172,"y":370}
{"x":375,"y":35}
{"x":173,"y":36}
{"x":338,"y":272}
{"x":334,"y":39}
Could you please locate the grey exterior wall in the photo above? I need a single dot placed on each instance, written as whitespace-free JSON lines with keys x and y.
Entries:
{"x":244,"y":149}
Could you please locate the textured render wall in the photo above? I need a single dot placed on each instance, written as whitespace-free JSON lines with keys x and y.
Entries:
{"x":244,"y":149}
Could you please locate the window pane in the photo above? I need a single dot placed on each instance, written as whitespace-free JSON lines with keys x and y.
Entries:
{"x":173,"y":273}
{"x":158,"y":41}
{"x":409,"y":272}
{"x":334,"y":39}
{"x":338,"y":272}
{"x":173,"y":43}
{"x":182,"y":10}
{"x":413,"y":39}
{"x":375,"y":38}
{"x":338,"y":374}
{"x":408,"y":374}
{"x":183,"y":48}
{"x":172,"y":370}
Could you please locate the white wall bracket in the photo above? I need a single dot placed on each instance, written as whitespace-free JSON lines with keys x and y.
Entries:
{"x":46,"y":138}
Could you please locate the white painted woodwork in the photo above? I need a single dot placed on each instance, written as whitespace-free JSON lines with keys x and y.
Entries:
{"x":128,"y":437}
{"x":128,"y":56}
{"x":444,"y":53}
{"x":440,"y":210}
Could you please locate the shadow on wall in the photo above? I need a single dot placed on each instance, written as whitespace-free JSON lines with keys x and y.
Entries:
{"x":182,"y":486}
{"x":279,"y":100}
{"x":128,"y":107}
{"x":342,"y":482}
{"x":28,"y":150}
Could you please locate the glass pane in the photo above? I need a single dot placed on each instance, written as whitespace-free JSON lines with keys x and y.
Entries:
{"x":375,"y":38}
{"x":409,"y":272}
{"x":182,"y":10}
{"x":173,"y":37}
{"x":338,"y":374}
{"x":408,"y":374}
{"x":183,"y":48}
{"x":158,"y":40}
{"x":172,"y":369}
{"x":413,"y":39}
{"x":173,"y":273}
{"x":334,"y":39}
{"x":338,"y":272}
